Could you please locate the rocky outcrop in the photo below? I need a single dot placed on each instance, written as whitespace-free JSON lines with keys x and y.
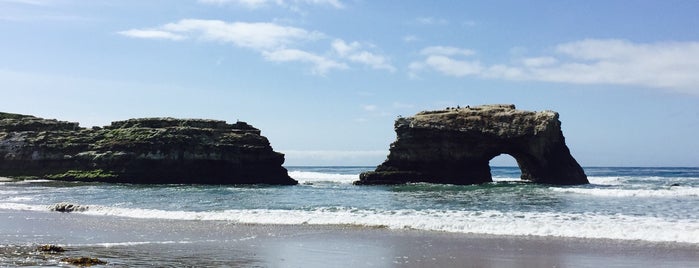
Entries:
{"x":455,"y":146}
{"x":148,"y":150}
{"x":83,"y":261}
{"x":67,"y":207}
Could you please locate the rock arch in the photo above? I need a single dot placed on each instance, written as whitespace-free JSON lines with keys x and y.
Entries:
{"x":456,"y":145}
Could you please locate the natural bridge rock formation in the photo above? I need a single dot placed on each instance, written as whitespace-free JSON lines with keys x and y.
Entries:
{"x":148,"y":150}
{"x":455,"y":146}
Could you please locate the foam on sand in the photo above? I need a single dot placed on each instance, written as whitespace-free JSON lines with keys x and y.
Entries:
{"x":585,"y":225}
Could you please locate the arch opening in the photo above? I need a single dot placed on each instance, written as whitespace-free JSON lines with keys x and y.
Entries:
{"x":504,"y":167}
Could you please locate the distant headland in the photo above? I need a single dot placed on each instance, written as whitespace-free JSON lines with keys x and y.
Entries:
{"x":146,"y":150}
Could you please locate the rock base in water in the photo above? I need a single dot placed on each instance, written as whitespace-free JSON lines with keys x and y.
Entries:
{"x":83,"y":261}
{"x":455,"y":146}
{"x":50,"y":249}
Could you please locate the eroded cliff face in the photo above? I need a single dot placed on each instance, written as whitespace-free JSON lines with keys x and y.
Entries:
{"x":148,"y":150}
{"x":455,"y":146}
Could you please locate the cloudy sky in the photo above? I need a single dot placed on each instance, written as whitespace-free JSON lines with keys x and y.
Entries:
{"x":325,"y":79}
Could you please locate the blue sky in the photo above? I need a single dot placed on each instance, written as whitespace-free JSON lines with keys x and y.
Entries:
{"x":325,"y":79}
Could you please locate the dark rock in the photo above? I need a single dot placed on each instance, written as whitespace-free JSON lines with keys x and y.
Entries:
{"x":83,"y":261}
{"x":455,"y":146}
{"x":67,"y":207}
{"x":52,"y":249}
{"x":147,"y":150}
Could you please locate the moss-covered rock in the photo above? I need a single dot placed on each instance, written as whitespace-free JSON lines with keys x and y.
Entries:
{"x":83,"y":175}
{"x":51,"y":249}
{"x":83,"y":261}
{"x":147,"y":150}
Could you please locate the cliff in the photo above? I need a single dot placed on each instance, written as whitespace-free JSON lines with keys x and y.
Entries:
{"x":147,"y":150}
{"x":455,"y":146}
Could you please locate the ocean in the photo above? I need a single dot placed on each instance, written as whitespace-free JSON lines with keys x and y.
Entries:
{"x":621,"y":203}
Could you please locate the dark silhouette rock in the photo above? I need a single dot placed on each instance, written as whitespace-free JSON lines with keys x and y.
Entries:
{"x":83,"y":261}
{"x":51,"y":249}
{"x":455,"y":146}
{"x":67,"y":207}
{"x":147,"y":150}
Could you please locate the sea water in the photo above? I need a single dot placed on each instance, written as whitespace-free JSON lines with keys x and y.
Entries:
{"x":647,"y":204}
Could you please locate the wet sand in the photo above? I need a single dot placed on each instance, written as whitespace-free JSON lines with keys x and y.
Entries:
{"x":146,"y":242}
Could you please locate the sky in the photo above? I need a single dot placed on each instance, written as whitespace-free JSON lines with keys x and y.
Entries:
{"x":325,"y":79}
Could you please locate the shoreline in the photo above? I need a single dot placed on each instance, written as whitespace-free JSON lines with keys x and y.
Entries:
{"x":128,"y":241}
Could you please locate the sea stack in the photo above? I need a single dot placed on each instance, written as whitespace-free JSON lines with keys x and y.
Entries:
{"x":455,"y":146}
{"x":146,"y":150}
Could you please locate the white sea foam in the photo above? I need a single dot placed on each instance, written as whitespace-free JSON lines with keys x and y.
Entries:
{"x":19,"y":206}
{"x":587,"y":225}
{"x":584,"y":225}
{"x":169,"y":242}
{"x":315,"y":177}
{"x":505,"y":179}
{"x":118,"y":244}
{"x":605,"y":180}
{"x":19,"y":199}
{"x":675,"y":191}
{"x":5,"y":192}
{"x":16,"y":182}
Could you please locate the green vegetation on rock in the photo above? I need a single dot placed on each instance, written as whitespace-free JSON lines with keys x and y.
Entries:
{"x":83,"y":175}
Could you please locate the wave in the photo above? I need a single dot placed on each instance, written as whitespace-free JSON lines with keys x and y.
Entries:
{"x":18,"y":182}
{"x":582,"y":225}
{"x":6,"y":192}
{"x":169,"y":242}
{"x":19,"y":206}
{"x":307,"y":177}
{"x":605,"y":180}
{"x":481,"y":222}
{"x":676,"y":191}
{"x":135,"y":243}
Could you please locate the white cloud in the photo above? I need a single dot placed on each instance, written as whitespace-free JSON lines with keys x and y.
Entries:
{"x":293,"y":4}
{"x":446,"y":51}
{"x":504,"y":72}
{"x":270,"y":39}
{"x":452,"y":67}
{"x":246,"y":3}
{"x":539,"y":61}
{"x":668,"y":65}
{"x":410,"y":38}
{"x":332,"y":3}
{"x":275,"y":42}
{"x":431,"y":21}
{"x":373,"y":60}
{"x":672,"y":65}
{"x":152,"y":34}
{"x":321,"y":64}
{"x":258,"y":35}
{"x":469,"y":23}
{"x":27,"y":2}
{"x":343,"y":49}
{"x":353,"y":52}
{"x":370,"y":108}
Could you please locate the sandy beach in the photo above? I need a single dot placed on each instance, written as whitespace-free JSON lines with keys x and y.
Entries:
{"x":144,"y":242}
